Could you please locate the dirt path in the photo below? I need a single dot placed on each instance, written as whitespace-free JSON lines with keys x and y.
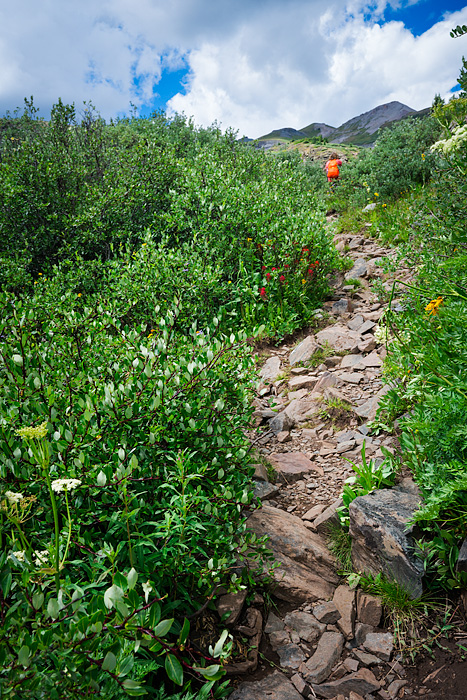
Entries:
{"x":311,"y":413}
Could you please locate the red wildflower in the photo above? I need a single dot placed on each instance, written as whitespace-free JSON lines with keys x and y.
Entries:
{"x":282,"y":278}
{"x":286,"y":266}
{"x":268,"y":276}
{"x":274,"y":268}
{"x":263,"y":267}
{"x":310,"y":271}
{"x":263,"y":293}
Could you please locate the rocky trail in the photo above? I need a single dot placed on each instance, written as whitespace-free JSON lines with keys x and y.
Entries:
{"x":314,"y":400}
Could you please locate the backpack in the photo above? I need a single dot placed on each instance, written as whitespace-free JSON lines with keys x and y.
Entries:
{"x":333,"y":170}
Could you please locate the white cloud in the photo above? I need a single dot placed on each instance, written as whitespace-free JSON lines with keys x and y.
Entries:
{"x":253,"y":65}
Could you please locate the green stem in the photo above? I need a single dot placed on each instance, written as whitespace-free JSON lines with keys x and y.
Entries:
{"x":69,"y":529}
{"x":57,"y":530}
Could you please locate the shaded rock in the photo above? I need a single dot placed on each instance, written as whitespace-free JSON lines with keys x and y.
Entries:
{"x":345,"y":446}
{"x":381,"y":537}
{"x":327,"y":613}
{"x":264,"y":490}
{"x":280,"y":423}
{"x":327,"y":654}
{"x":369,"y":609}
{"x":343,"y":306}
{"x":273,"y":623}
{"x":355,"y":322}
{"x":231,"y":604}
{"x":271,"y":369}
{"x":462,"y":560}
{"x":291,"y":656}
{"x":307,"y":571}
{"x":344,"y":600}
{"x":299,"y":394}
{"x":355,"y":696}
{"x":279,"y":639}
{"x":305,"y":624}
{"x":261,"y":472}
{"x":283,"y":436}
{"x":361,"y":632}
{"x":274,"y":687}
{"x":303,"y":351}
{"x":362,"y":682}
{"x":394,"y":687}
{"x":252,"y":629}
{"x":360,"y":269}
{"x":380,"y":644}
{"x":366,"y":327}
{"x":302,"y":687}
{"x":339,"y":337}
{"x":291,"y":466}
{"x":351,"y":664}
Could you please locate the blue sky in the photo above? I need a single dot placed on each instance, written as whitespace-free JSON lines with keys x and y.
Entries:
{"x":247,"y":64}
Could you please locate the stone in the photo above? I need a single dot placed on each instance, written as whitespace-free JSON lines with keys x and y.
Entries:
{"x":300,"y":685}
{"x":292,"y":466}
{"x":283,"y":436}
{"x":281,"y":423}
{"x":361,"y":632}
{"x":344,"y":600}
{"x":299,"y":410}
{"x":369,"y":609}
{"x":300,"y":394}
{"x":261,"y":472}
{"x":367,"y":659}
{"x":313,"y":512}
{"x":352,"y":377}
{"x":327,"y":613}
{"x":264,"y":490}
{"x":291,"y":656}
{"x":381,"y":537}
{"x":231,"y":605}
{"x":345,"y":446}
{"x":370,"y":207}
{"x":339,"y":337}
{"x":304,"y":351}
{"x":372,"y":360}
{"x":326,"y":380}
{"x":307,"y":568}
{"x":355,"y":322}
{"x":349,"y":361}
{"x":328,"y":517}
{"x":302,"y":382}
{"x":305,"y":624}
{"x":359,"y":269}
{"x":274,"y":687}
{"x":394,"y":687}
{"x":380,"y":644}
{"x":279,"y":639}
{"x":270,"y":370}
{"x":462,"y":560}
{"x":273,"y":624}
{"x":368,"y":409}
{"x":351,"y":664}
{"x":366,"y":327}
{"x":367,"y":345}
{"x":341,"y":307}
{"x":362,"y":682}
{"x":328,"y":652}
{"x":355,"y":696}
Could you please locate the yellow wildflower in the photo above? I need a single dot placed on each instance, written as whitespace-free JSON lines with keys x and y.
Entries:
{"x":432,"y":307}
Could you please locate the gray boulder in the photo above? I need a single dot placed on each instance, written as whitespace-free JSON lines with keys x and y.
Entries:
{"x":381,"y":537}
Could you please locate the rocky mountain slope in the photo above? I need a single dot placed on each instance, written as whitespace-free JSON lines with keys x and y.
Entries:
{"x":360,"y":130}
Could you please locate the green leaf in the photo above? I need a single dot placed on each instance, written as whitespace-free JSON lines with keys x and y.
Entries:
{"x":174,"y":669}
{"x":53,"y":608}
{"x":24,"y":657}
{"x":37,"y":600}
{"x":132,"y":578}
{"x":133,"y":688}
{"x":101,"y":479}
{"x":17,"y":359}
{"x":111,"y":596}
{"x":110,"y":661}
{"x":163,"y":627}
{"x":185,"y":632}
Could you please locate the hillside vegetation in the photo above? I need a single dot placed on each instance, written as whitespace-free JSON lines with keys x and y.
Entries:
{"x":139,"y":261}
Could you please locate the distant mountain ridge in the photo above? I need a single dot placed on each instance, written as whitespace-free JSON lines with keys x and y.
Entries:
{"x":361,"y":130}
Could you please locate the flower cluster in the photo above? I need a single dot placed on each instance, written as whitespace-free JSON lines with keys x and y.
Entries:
{"x":29,"y":433}
{"x":59,"y":485}
{"x":14,"y":497}
{"x":433,"y":306}
{"x":41,"y":557}
{"x":299,"y":263}
{"x":454,"y":143}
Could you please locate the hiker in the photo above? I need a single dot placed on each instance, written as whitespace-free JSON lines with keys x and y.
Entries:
{"x":332,"y":168}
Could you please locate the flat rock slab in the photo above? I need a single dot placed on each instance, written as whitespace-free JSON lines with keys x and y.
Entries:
{"x":360,"y":269}
{"x":291,"y":656}
{"x":352,"y":377}
{"x":292,"y":466}
{"x":274,"y":687}
{"x":327,"y":613}
{"x":369,"y":609}
{"x":302,"y":382}
{"x":304,"y":351}
{"x":264,"y":490}
{"x":344,"y":600}
{"x":231,"y":604}
{"x":368,"y":409}
{"x":271,"y":369}
{"x":339,"y":337}
{"x":327,"y":654}
{"x":300,"y":410}
{"x":372,"y":360}
{"x":307,"y":568}
{"x":380,"y":644}
{"x":362,"y":682}
{"x":381,"y":537}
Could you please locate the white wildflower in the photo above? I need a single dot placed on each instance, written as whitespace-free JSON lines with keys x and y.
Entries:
{"x":382,"y":335}
{"x":14,"y":497}
{"x":19,"y":555}
{"x":59,"y":485}
{"x":29,"y":433}
{"x":41,"y":558}
{"x":147,"y":588}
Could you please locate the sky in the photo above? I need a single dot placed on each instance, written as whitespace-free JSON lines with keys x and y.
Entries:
{"x":249,"y":65}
